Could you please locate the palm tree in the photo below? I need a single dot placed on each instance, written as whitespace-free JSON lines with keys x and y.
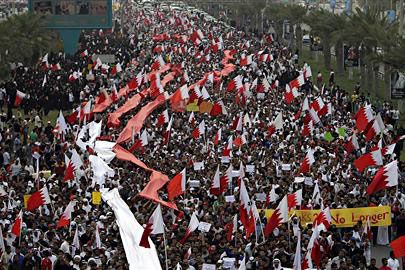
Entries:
{"x":324,"y":24}
{"x":23,"y":38}
{"x":376,"y":37}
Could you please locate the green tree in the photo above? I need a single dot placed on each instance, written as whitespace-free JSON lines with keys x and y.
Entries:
{"x":24,"y":38}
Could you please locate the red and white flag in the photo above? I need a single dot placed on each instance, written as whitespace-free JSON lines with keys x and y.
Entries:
{"x":373,"y":158}
{"x":66,"y":216}
{"x":352,"y":144}
{"x":314,"y":116}
{"x":231,"y":228}
{"x":235,"y":84}
{"x":72,"y":165}
{"x":227,"y":152}
{"x":323,"y":220}
{"x":167,"y":132}
{"x":114,"y":94}
{"x":245,"y":210}
{"x":155,"y":225}
{"x":376,"y":128}
{"x":290,"y":94}
{"x":177,"y":185}
{"x":216,"y":183}
{"x":226,"y":179}
{"x":218,"y":136}
{"x":279,"y":216}
{"x":237,"y":123}
{"x":388,"y":150}
{"x":191,"y":119}
{"x":163,"y":118}
{"x":294,"y":199}
{"x":308,"y":129}
{"x":364,"y":117}
{"x":246,"y":60}
{"x":386,"y":176}
{"x":307,"y":162}
{"x":187,"y":255}
{"x":84,"y":53}
{"x":297,"y":82}
{"x":38,"y":198}
{"x":192,"y":226}
{"x":16,"y":228}
{"x":19,"y":98}
{"x":276,"y":124}
{"x":200,"y":130}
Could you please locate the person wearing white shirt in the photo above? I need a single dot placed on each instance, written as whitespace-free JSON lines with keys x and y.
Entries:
{"x":392,"y":262}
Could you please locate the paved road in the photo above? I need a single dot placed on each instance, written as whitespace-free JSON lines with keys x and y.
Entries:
{"x":379,"y":252}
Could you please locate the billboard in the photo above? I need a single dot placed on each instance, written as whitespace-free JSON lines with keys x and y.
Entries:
{"x":397,"y":85}
{"x":74,"y":14}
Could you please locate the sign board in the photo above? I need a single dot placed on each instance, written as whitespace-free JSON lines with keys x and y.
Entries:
{"x":397,"y":85}
{"x":104,"y":58}
{"x":74,"y":14}
{"x":345,"y":217}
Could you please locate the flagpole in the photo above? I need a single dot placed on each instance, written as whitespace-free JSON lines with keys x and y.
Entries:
{"x":164,"y":242}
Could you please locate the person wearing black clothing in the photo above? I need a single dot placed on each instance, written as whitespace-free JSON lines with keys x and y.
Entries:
{"x":372,"y":265}
{"x":400,"y":223}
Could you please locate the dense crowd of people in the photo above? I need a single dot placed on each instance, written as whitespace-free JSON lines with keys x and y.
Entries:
{"x":149,"y":40}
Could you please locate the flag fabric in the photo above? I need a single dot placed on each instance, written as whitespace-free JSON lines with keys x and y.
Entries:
{"x":352,"y":144}
{"x":200,"y":130}
{"x":323,"y":220}
{"x":279,"y":216}
{"x":386,"y":176}
{"x":363,"y":117}
{"x":316,"y":195}
{"x":231,"y":228}
{"x":72,"y":165}
{"x":66,"y":216}
{"x":245,"y":210}
{"x":235,"y":84}
{"x":163,"y":118}
{"x":218,"y":136}
{"x":294,"y":199}
{"x":155,"y":225}
{"x":307,"y":162}
{"x":216,"y":184}
{"x":398,"y":247}
{"x":192,"y":226}
{"x":98,"y":239}
{"x":297,"y":257}
{"x":376,"y":128}
{"x":131,"y":232}
{"x":177,"y":185}
{"x":308,"y":129}
{"x":276,"y":124}
{"x":367,"y":229}
{"x":373,"y":158}
{"x":166,"y":133}
{"x":38,"y":198}
{"x":61,"y":124}
{"x":16,"y":228}
{"x":19,"y":98}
